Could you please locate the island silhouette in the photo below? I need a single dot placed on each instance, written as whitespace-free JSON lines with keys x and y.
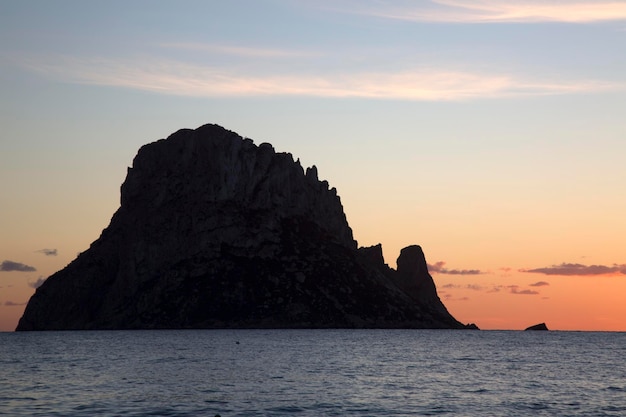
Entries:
{"x":214,"y":231}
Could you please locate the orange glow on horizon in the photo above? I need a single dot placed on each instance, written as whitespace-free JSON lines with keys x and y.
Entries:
{"x":567,"y":303}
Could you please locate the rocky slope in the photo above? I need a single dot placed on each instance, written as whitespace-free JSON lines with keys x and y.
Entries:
{"x":216,"y":232}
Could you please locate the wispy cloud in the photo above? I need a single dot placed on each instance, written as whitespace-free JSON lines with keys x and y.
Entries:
{"x":184,"y":79}
{"x":48,"y":252}
{"x":514,"y":289}
{"x":450,"y":297}
{"x":237,"y":50}
{"x":473,"y":287}
{"x":495,"y":11}
{"x":574,"y":269}
{"x":13,"y":304}
{"x":505,"y":271}
{"x":8,"y":266}
{"x":439,"y":268}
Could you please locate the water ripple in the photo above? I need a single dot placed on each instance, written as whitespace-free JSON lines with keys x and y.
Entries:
{"x":311,"y":373}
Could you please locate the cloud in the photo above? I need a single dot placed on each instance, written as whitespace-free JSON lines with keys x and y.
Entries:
{"x":505,"y":271}
{"x":37,"y":284}
{"x":494,"y":11}
{"x":450,"y":297}
{"x":235,"y":50}
{"x":13,"y":304}
{"x":185,"y":79}
{"x":514,"y":289}
{"x":48,"y":252}
{"x":8,"y":266}
{"x":438,"y":268}
{"x":573,"y":269}
{"x":474,"y":287}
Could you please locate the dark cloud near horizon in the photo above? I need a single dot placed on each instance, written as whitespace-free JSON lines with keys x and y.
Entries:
{"x":8,"y":266}
{"x":514,"y":289}
{"x":48,"y":252}
{"x":505,"y":271}
{"x":450,"y":297}
{"x":438,"y":267}
{"x":37,"y":283}
{"x":571,"y":269}
{"x":13,"y":304}
{"x":474,"y":287}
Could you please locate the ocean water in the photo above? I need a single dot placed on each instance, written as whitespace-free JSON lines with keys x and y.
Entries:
{"x":312,"y":373}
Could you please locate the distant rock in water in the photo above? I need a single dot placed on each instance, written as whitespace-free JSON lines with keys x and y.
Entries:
{"x":216,"y":232}
{"x":540,"y":326}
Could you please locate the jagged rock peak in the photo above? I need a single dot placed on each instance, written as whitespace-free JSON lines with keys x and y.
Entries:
{"x":412,"y":261}
{"x":414,"y":277}
{"x":373,"y":254}
{"x":218,"y":166}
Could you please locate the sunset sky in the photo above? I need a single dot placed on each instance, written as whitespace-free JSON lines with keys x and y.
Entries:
{"x":491,"y":133}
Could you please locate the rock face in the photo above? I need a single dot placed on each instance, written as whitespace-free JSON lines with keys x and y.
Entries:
{"x":216,"y":232}
{"x":540,"y":326}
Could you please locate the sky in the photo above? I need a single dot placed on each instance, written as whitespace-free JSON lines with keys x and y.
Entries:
{"x":490,"y":133}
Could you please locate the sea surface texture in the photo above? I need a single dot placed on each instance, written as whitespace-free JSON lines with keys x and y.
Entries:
{"x":312,"y":373}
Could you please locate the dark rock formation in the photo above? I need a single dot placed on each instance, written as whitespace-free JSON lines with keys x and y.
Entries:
{"x":216,"y":232}
{"x":540,"y":326}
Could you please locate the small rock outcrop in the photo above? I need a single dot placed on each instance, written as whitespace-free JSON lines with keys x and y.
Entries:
{"x":540,"y":326}
{"x":214,"y":231}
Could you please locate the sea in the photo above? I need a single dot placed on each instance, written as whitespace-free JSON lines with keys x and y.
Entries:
{"x":313,"y":373}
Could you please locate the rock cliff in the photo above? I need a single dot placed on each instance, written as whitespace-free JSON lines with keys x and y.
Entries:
{"x":214,"y":231}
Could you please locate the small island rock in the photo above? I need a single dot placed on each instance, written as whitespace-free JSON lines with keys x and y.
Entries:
{"x":540,"y":326}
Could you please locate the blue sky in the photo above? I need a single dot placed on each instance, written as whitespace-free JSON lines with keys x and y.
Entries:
{"x":491,"y":133}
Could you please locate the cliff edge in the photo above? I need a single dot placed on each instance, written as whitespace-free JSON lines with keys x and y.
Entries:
{"x":214,"y":231}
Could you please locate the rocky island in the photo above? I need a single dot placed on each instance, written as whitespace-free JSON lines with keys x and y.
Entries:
{"x":214,"y":231}
{"x":540,"y":326}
